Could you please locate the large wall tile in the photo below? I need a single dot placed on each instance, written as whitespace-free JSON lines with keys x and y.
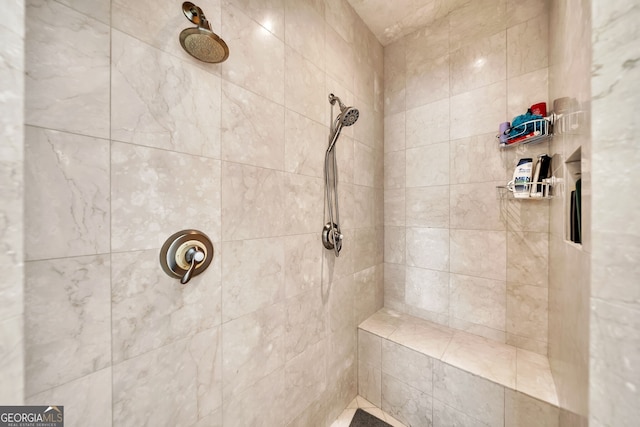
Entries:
{"x":67,"y":70}
{"x":478,"y":111}
{"x":480,"y":63}
{"x":527,"y":46}
{"x":428,"y":124}
{"x":364,"y":165}
{"x":428,"y":248}
{"x":475,"y":20}
{"x":408,"y":366}
{"x":409,"y":405}
{"x":518,"y":11}
{"x":394,"y":282}
{"x":252,"y":129}
{"x":528,"y":258}
{"x":182,"y":116}
{"x":479,"y":253}
{"x":78,"y":328}
{"x":394,"y":207}
{"x":268,"y":13}
{"x":428,"y":207}
{"x":12,"y":350}
{"x":428,"y":166}
{"x":446,"y":416}
{"x":395,"y":75}
{"x":395,"y":244}
{"x":305,"y":322}
{"x":394,"y":132}
{"x":305,"y":378}
{"x":150,"y":309}
{"x":305,"y":29}
{"x":394,"y":170}
{"x":522,"y":410}
{"x":304,"y":87}
{"x":67,"y":202}
{"x":156,"y":193}
{"x":257,"y":60}
{"x":427,"y":289}
{"x":302,"y":263}
{"x":339,"y":58}
{"x":477,"y":159}
{"x":526,"y":90}
{"x":86,"y":401}
{"x":253,"y":200}
{"x":303,"y":145}
{"x":476,"y":207}
{"x":427,"y":82}
{"x":480,"y":301}
{"x":303,"y":201}
{"x":252,"y":275}
{"x":254,"y":346}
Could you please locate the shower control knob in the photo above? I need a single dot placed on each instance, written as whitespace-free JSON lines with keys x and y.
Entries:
{"x":186,"y":254}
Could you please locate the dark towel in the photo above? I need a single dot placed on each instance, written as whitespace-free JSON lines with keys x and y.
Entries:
{"x":365,"y":419}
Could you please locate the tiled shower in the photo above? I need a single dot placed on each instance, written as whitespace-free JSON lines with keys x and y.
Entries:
{"x":127,"y":139}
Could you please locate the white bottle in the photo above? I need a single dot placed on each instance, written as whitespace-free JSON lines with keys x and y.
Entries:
{"x":522,"y":175}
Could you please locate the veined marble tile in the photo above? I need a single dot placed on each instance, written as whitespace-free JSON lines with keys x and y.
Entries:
{"x":254,"y":347}
{"x":518,"y":11}
{"x":428,"y":166}
{"x":78,"y":327}
{"x":154,"y":194}
{"x":427,"y":338}
{"x":465,"y":154}
{"x":534,"y":377}
{"x":446,"y":416}
{"x":394,"y":245}
{"x":428,"y":248}
{"x":143,"y":392}
{"x":100,"y":10}
{"x":253,"y":276}
{"x":306,"y":322}
{"x":428,"y":124}
{"x":163,"y":102}
{"x":479,"y":63}
{"x":252,"y":129}
{"x":369,"y":292}
{"x":475,"y":207}
{"x":529,"y":216}
{"x":304,"y":87}
{"x":150,"y":309}
{"x":302,"y":203}
{"x":428,"y":207}
{"x":394,"y":132}
{"x":479,"y":111}
{"x":395,"y":78}
{"x":305,"y":378}
{"x":486,"y":358}
{"x":408,"y":366}
{"x":409,"y":405}
{"x":364,"y":212}
{"x":67,"y":70}
{"x":427,"y":82}
{"x":528,"y":258}
{"x":365,"y":85}
{"x":428,"y":43}
{"x":394,"y":170}
{"x":67,"y":202}
{"x":427,"y":289}
{"x":476,"y":397}
{"x":526,"y":90}
{"x":370,"y":382}
{"x":478,"y":329}
{"x":256,"y":58}
{"x":522,"y":410}
{"x":345,"y":152}
{"x":394,"y":207}
{"x":87,"y":400}
{"x":364,"y":130}
{"x":253,"y":200}
{"x":339,"y":59}
{"x":479,"y":253}
{"x":305,"y":29}
{"x":527,"y":46}
{"x":363,"y":169}
{"x":529,"y":344}
{"x":366,"y":244}
{"x":394,"y":282}
{"x":341,"y":16}
{"x":475,"y":20}
{"x":369,"y":348}
{"x":304,"y":148}
{"x":480,"y":301}
{"x":268,"y":13}
{"x":302,"y":263}
{"x":12,"y":352}
{"x":262,"y":405}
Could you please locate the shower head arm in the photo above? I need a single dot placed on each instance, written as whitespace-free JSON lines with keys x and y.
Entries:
{"x":333,"y":99}
{"x":195,"y":15}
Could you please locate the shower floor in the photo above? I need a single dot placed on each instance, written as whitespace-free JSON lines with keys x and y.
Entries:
{"x":360,"y":402}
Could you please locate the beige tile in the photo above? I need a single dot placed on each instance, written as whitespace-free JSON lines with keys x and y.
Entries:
{"x":305,"y":379}
{"x":527,"y":311}
{"x":527,"y":46}
{"x":394,"y":207}
{"x":252,"y":129}
{"x":479,"y":111}
{"x":394,"y":244}
{"x":479,"y":253}
{"x":252,"y":276}
{"x":526,"y":90}
{"x":364,"y":214}
{"x":528,"y":258}
{"x":408,"y":366}
{"x":306,"y":322}
{"x":446,"y":416}
{"x":305,"y":29}
{"x":369,"y":290}
{"x":428,"y":166}
{"x":529,"y":344}
{"x":427,"y":82}
{"x":475,"y":207}
{"x":394,"y":132}
{"x":394,"y":170}
{"x":394,"y":282}
{"x":303,"y":197}
{"x":370,"y":382}
{"x":304,"y":87}
{"x":363,"y":168}
{"x":257,"y":62}
{"x":476,"y":397}
{"x":67,"y":206}
{"x":428,"y":248}
{"x":475,"y":20}
{"x":497,"y":335}
{"x":478,"y":159}
{"x":427,"y":290}
{"x":534,"y":377}
{"x":339,"y":57}
{"x":59,"y":38}
{"x":303,"y":146}
{"x":428,"y":207}
{"x":424,"y":337}
{"x":303,"y":263}
{"x":480,"y":63}
{"x":369,"y":348}
{"x":268,"y":13}
{"x":428,"y":124}
{"x":522,"y":410}
{"x":382,"y":323}
{"x":486,"y":358}
{"x":523,"y":216}
{"x":395,"y":78}
{"x":428,"y":43}
{"x":407,"y":404}
{"x":479,"y":301}
{"x":518,"y":11}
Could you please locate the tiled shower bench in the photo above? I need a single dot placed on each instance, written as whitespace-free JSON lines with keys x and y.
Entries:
{"x":425,"y":374}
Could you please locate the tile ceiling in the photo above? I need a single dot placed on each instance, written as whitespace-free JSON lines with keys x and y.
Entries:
{"x":391,"y":19}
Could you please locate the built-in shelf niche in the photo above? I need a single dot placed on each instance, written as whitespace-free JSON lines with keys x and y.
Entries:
{"x":573,"y":198}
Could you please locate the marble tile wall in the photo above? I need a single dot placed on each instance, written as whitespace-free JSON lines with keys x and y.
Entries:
{"x":615,"y":300}
{"x":455,"y":253}
{"x":128,"y":140}
{"x":570,"y":71}
{"x":12,"y":196}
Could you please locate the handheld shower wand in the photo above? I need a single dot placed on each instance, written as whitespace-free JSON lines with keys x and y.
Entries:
{"x":331,"y":234}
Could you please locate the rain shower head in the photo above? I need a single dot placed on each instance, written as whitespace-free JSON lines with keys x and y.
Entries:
{"x":200,"y":42}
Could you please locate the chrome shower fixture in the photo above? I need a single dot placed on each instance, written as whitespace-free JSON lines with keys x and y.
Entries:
{"x":331,"y":234}
{"x":201,"y":42}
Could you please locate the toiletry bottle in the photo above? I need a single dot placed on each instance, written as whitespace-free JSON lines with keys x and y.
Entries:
{"x":522,"y":175}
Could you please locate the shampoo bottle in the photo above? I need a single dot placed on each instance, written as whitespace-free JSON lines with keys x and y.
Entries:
{"x":522,"y":175}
